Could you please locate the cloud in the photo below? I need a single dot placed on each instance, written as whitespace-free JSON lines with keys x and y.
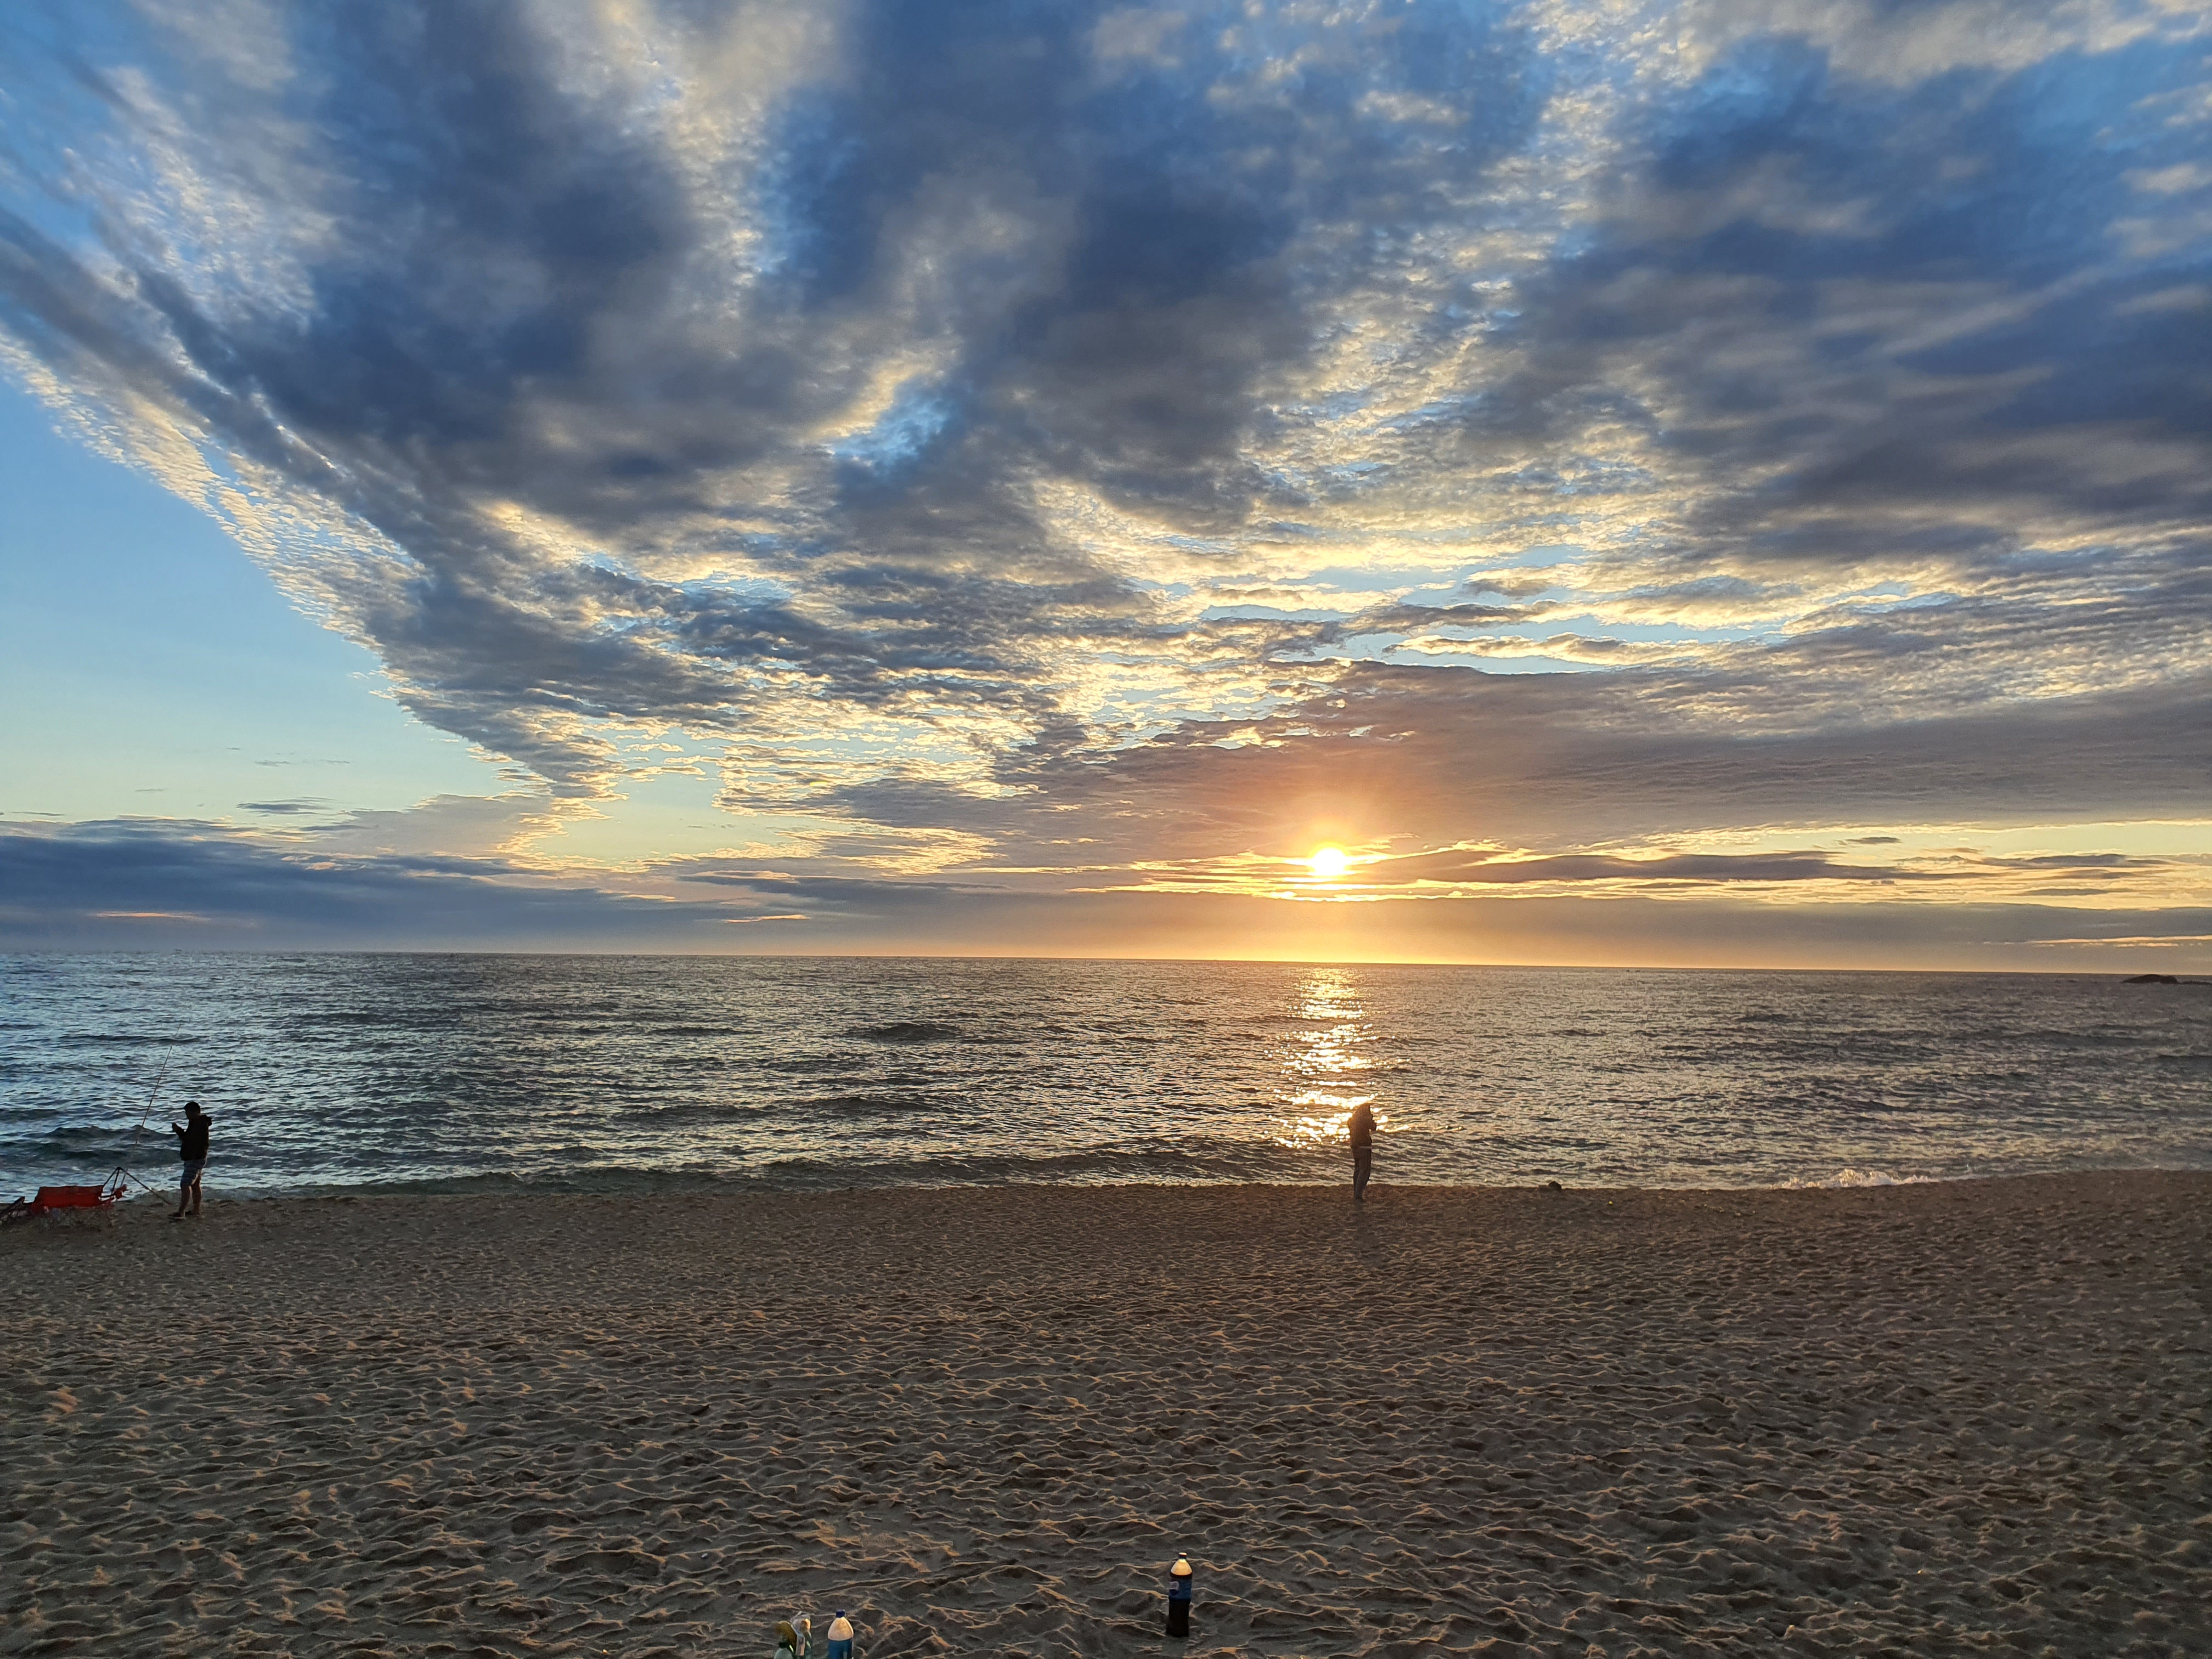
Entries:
{"x":1437,"y":757}
{"x":902,"y":403}
{"x":132,"y":883}
{"x":1460,"y":868}
{"x":173,"y":885}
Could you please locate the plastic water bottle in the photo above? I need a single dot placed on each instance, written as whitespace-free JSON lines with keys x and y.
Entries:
{"x":1179,"y":1577}
{"x":840,"y":1646}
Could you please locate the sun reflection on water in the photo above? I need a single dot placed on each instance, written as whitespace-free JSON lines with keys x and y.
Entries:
{"x":1321,"y":1060}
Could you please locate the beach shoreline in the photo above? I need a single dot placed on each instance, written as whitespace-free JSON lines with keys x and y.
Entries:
{"x":1921,"y":1418}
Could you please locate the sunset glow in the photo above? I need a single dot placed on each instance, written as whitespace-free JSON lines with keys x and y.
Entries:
{"x":1615,"y":486}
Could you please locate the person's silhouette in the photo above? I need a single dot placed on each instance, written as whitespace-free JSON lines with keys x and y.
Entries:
{"x":1362,"y":1150}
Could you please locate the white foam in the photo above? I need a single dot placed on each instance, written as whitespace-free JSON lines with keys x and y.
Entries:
{"x":1863,"y":1178}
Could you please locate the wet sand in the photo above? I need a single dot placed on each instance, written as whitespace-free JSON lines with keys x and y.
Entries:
{"x":1932,"y":1420}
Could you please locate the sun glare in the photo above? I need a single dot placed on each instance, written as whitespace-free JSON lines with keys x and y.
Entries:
{"x":1329,"y":863}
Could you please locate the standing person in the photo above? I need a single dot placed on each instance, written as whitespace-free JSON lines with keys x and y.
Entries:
{"x":192,"y":1147}
{"x":1363,"y":1150}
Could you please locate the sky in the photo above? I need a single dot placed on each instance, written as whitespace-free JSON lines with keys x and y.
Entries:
{"x":1699,"y":484}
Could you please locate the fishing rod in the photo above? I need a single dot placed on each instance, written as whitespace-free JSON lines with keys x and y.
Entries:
{"x":122,"y":1169}
{"x":160,"y":1078}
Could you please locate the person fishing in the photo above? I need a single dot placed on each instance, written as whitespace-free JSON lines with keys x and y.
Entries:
{"x":192,"y":1148}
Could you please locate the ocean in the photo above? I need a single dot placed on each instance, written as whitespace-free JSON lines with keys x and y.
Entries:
{"x":567,"y":1073}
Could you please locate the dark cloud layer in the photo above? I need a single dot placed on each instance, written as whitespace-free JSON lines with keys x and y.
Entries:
{"x":982,"y":417}
{"x":185,"y":883}
{"x":138,"y":886}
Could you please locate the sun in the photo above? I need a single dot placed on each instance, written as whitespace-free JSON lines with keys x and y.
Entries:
{"x":1329,"y":862}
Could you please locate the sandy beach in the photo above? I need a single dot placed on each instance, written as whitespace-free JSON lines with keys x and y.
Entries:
{"x":1932,"y":1420}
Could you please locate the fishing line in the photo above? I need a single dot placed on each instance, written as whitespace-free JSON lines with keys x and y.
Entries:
{"x":137,"y":1134}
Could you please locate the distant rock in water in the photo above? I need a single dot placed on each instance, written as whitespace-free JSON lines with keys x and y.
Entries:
{"x":910,"y":1030}
{"x":2151,"y":978}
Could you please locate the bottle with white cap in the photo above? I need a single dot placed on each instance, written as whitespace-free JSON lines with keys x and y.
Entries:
{"x":840,"y":1646}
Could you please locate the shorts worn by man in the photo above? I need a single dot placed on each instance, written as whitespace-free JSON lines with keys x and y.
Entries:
{"x":191,"y":1147}
{"x":1363,"y":1150}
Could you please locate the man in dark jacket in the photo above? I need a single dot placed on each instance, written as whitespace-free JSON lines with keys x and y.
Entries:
{"x":192,"y":1147}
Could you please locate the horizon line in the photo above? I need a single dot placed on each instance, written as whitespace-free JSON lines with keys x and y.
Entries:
{"x":1013,"y":956}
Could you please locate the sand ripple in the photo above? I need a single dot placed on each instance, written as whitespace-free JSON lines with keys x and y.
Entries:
{"x":1932,"y":1420}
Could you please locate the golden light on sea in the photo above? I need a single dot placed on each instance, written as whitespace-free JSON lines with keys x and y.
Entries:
{"x":1329,"y":862}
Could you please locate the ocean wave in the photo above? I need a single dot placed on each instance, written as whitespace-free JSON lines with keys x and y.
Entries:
{"x":125,"y":1039}
{"x":907,"y":1030}
{"x":1212,"y":1160}
{"x":680,"y":1111}
{"x":98,"y":1137}
{"x":587,"y":1180}
{"x":1847,"y":1178}
{"x":872,"y":1104}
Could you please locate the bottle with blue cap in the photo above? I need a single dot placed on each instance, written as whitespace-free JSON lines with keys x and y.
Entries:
{"x":1179,"y":1577}
{"x":840,"y":1646}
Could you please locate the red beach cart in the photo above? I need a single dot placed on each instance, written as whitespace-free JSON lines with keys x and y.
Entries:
{"x":67,"y":1202}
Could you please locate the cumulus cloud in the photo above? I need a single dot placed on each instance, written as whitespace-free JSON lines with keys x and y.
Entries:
{"x":971,"y":421}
